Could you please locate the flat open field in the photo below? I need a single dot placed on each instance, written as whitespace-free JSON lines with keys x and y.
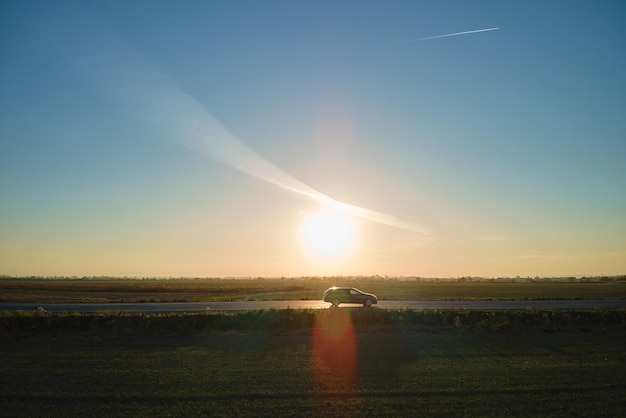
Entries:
{"x":203,"y":290}
{"x":333,"y":362}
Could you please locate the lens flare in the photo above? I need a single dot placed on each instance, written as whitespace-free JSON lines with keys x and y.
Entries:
{"x":334,"y":353}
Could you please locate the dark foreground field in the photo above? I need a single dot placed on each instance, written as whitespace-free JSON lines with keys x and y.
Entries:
{"x":335,"y":362}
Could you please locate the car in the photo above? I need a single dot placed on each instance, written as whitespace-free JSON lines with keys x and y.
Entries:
{"x":336,"y":295}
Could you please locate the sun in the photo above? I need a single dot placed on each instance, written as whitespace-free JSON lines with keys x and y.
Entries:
{"x":328,"y":234}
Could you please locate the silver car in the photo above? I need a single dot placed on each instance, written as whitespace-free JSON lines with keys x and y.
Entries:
{"x":337,"y":295}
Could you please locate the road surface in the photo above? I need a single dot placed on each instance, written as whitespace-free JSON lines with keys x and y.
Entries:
{"x":310,"y":304}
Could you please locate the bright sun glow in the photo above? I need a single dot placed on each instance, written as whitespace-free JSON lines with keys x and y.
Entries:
{"x":328,"y":234}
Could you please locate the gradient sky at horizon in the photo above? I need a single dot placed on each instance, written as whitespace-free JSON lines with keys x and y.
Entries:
{"x":507,"y":146}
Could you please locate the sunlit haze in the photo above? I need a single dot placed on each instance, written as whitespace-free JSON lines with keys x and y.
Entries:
{"x":281,"y":138}
{"x":328,"y":234}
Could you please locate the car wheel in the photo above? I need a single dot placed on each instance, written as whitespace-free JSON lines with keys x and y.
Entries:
{"x":368,"y":303}
{"x":336,"y":302}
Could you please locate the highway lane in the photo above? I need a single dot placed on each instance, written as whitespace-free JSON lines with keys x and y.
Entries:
{"x":310,"y":304}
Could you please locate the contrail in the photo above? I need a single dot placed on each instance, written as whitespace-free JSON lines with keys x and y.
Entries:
{"x":152,"y":96}
{"x":455,"y":34}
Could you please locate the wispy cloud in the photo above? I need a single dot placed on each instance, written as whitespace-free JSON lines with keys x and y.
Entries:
{"x":544,"y":255}
{"x":494,"y":238}
{"x":152,"y":96}
{"x":454,"y":34}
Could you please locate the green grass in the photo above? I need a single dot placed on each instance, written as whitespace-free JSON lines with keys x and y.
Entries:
{"x":335,"y":362}
{"x":38,"y":290}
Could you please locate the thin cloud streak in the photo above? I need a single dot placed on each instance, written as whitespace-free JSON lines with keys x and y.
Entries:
{"x":494,"y":238}
{"x":155,"y":99}
{"x":454,"y":34}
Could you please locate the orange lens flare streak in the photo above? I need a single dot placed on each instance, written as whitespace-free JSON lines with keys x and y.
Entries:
{"x":334,"y":353}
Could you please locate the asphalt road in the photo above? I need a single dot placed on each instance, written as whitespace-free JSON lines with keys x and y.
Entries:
{"x":311,"y":304}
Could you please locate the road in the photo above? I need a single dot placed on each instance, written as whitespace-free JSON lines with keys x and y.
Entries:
{"x":310,"y":304}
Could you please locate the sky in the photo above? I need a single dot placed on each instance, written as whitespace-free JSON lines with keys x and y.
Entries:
{"x":312,"y":138}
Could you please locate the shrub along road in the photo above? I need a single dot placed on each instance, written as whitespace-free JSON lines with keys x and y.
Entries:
{"x":310,"y":304}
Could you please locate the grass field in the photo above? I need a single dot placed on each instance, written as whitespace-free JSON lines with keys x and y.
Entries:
{"x":201,"y":290}
{"x":334,"y":362}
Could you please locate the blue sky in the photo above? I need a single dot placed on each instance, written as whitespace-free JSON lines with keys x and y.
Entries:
{"x":137,"y":137}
